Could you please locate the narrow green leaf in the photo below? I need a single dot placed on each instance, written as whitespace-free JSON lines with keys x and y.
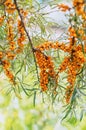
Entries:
{"x":34,"y":99}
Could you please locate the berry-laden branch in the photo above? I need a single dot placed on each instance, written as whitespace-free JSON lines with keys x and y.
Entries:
{"x":27,"y":33}
{"x":75,"y":60}
{"x":22,"y":21}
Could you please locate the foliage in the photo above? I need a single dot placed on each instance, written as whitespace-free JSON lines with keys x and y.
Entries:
{"x":56,"y":70}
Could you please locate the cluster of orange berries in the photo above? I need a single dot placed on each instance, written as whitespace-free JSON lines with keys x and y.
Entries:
{"x":15,"y":44}
{"x":6,"y":66}
{"x":80,"y":7}
{"x":8,"y":55}
{"x":46,"y":69}
{"x":74,"y":65}
{"x":9,"y":6}
{"x":72,"y":32}
{"x":23,"y":12}
{"x":50,"y":45}
{"x":85,"y":47}
{"x":11,"y":35}
{"x":63,"y":7}
{"x":1,"y":20}
{"x":21,"y":37}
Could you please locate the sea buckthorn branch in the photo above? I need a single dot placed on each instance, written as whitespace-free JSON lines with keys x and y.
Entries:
{"x":7,"y":55}
{"x":47,"y":46}
{"x":72,"y":63}
{"x":27,"y":33}
{"x":22,"y":22}
{"x":76,"y":51}
{"x":13,"y":46}
{"x":77,"y":54}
